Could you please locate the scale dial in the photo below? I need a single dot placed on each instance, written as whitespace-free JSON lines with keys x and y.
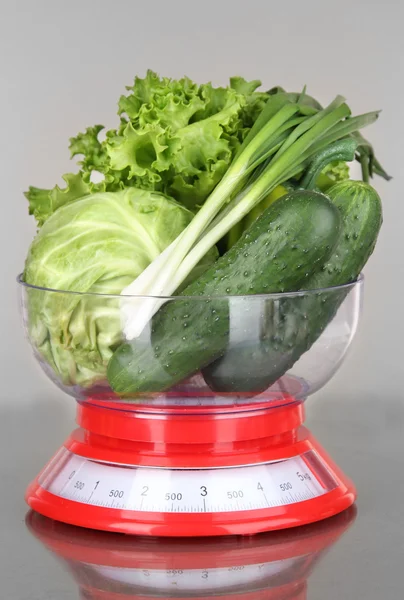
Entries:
{"x":202,"y":490}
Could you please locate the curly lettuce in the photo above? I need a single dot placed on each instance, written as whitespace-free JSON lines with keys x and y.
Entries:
{"x":174,"y":137}
{"x":43,"y":203}
{"x":333,"y":173}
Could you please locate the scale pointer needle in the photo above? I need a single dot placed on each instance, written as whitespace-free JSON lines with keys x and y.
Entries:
{"x":96,"y":485}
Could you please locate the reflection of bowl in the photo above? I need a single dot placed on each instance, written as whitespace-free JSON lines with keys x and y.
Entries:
{"x":196,"y":350}
{"x":138,"y":567}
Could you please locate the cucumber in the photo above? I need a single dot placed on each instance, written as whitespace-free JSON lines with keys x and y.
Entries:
{"x":361,"y":210}
{"x":249,"y":366}
{"x":300,"y":320}
{"x":362,"y":217}
{"x":237,"y":230}
{"x":291,"y":239}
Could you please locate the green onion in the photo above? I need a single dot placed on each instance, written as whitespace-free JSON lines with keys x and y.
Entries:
{"x":279,"y":146}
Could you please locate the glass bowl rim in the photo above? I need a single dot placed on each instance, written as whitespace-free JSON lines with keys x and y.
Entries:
{"x":274,"y":295}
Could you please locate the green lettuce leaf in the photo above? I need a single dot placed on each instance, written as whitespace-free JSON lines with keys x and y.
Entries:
{"x":200,"y":163}
{"x":43,"y":203}
{"x":174,"y":136}
{"x":254,"y":101}
{"x":333,"y":173}
{"x":181,"y":137}
{"x":141,"y":150}
{"x":153,"y":100}
{"x":91,"y":149}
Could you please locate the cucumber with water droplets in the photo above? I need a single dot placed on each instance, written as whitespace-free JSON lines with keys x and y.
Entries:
{"x":279,"y":252}
{"x":361,"y":210}
{"x":297,"y":322}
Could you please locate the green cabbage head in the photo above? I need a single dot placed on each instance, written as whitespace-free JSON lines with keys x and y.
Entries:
{"x":97,"y":245}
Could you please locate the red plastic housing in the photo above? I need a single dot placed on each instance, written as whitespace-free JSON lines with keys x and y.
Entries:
{"x":193,"y":437}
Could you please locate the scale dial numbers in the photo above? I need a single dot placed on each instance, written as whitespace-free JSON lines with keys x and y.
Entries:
{"x":229,"y":489}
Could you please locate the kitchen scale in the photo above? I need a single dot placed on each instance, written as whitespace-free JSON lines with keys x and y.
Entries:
{"x":194,"y":461}
{"x":192,"y":469}
{"x":274,"y":566}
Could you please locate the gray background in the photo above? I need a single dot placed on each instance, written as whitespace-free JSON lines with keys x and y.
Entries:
{"x":65,"y":64}
{"x":63,"y":67}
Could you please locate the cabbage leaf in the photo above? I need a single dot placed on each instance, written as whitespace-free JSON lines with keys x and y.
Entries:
{"x":97,"y":244}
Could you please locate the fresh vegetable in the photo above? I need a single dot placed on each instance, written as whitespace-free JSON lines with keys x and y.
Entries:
{"x":190,"y":172}
{"x":97,"y":245}
{"x":338,"y":151}
{"x":365,"y":154}
{"x":43,"y":203}
{"x":297,"y":322}
{"x":281,"y":143}
{"x":238,"y":229}
{"x":334,"y":172}
{"x":174,"y":136}
{"x":319,"y":174}
{"x":290,"y":240}
{"x":361,"y":211}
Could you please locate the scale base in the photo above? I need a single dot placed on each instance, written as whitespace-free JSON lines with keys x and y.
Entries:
{"x":283,"y":480}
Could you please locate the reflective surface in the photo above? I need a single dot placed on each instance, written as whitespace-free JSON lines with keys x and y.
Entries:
{"x":363,"y":434}
{"x":195,"y":350}
{"x":278,"y":563}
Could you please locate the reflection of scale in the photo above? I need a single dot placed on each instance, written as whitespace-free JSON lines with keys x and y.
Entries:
{"x":191,"y":470}
{"x":111,"y":567}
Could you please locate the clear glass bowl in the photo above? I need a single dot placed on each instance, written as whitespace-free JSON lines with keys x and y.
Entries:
{"x":195,"y":351}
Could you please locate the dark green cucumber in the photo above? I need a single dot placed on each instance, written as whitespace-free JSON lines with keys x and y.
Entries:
{"x":299,"y":321}
{"x":291,"y":239}
{"x":361,"y":210}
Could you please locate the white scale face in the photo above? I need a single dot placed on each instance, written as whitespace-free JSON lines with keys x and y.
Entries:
{"x":163,"y":490}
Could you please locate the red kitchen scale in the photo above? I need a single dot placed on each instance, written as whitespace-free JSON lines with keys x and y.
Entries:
{"x":190,"y":466}
{"x":273,"y":566}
